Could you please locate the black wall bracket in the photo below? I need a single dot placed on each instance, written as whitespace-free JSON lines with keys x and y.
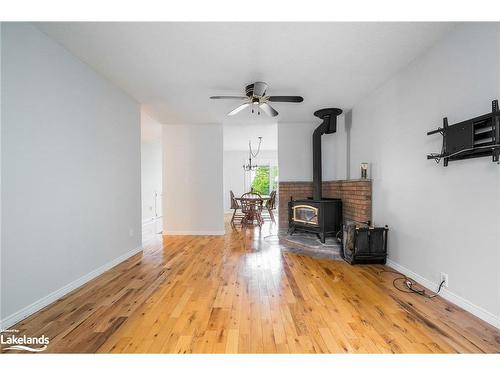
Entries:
{"x":472,"y":138}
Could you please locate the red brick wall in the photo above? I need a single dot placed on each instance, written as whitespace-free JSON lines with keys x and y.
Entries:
{"x":356,"y":197}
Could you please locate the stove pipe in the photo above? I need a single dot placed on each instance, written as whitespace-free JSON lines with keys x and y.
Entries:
{"x":328,"y":126}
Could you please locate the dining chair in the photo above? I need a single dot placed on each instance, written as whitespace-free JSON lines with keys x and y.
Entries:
{"x":251,"y":206}
{"x":235,"y":206}
{"x":271,"y":205}
{"x":252,"y":195}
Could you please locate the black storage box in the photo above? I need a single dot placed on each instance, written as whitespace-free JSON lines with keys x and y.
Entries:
{"x":364,"y":244}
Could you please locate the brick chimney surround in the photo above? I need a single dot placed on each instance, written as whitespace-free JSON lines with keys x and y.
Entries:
{"x":356,"y":197}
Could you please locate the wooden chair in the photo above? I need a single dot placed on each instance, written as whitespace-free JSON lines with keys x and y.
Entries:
{"x":235,"y":206}
{"x":271,"y":205}
{"x":251,"y":205}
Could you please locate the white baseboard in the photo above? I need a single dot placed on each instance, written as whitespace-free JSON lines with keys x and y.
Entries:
{"x":194,"y":233}
{"x":481,"y":313}
{"x":54,"y":296}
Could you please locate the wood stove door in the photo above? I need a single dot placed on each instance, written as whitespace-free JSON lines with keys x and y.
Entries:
{"x":305,"y":214}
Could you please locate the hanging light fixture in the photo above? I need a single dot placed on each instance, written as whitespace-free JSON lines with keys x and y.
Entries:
{"x":251,"y":154}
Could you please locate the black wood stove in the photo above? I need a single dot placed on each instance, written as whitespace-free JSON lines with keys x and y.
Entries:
{"x":319,"y":215}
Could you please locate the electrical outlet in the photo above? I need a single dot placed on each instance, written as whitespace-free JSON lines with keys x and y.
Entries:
{"x":444,"y":277}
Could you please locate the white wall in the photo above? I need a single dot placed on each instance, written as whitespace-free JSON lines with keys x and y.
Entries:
{"x":295,"y":151}
{"x":238,"y":132}
{"x":1,"y":116}
{"x":440,"y":219}
{"x":151,"y":176}
{"x":193,"y":179}
{"x":70,"y":171}
{"x":234,"y":175}
{"x":151,"y":167}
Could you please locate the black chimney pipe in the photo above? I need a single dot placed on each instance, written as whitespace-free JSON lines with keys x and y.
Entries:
{"x":328,"y":126}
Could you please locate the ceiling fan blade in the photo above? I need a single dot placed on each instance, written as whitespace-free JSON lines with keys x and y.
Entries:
{"x":238,"y":109}
{"x":268,"y":109}
{"x":229,"y":97}
{"x":286,"y":99}
{"x":259,"y":88}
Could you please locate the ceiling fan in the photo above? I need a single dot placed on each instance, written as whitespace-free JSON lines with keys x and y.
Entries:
{"x":256,"y":98}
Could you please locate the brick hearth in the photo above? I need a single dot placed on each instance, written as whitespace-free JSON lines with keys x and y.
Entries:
{"x":356,"y":197}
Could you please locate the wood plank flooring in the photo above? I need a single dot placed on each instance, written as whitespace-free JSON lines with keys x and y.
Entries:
{"x":241,"y":293}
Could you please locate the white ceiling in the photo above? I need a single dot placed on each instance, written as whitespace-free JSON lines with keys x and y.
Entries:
{"x":172,"y":68}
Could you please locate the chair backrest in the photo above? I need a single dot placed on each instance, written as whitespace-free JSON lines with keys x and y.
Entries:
{"x":271,"y":202}
{"x":234,"y":202}
{"x":250,"y":201}
{"x":252,"y":195}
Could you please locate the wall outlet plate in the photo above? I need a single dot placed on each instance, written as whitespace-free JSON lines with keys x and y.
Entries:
{"x":444,"y":277}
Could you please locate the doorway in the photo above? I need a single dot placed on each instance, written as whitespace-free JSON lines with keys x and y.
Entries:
{"x":151,"y":177}
{"x":248,"y":166}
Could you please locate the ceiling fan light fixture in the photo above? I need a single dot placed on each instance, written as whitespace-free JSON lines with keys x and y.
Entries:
{"x":256,"y":96}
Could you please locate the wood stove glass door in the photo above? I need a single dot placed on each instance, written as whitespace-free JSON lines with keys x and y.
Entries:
{"x":305,"y":214}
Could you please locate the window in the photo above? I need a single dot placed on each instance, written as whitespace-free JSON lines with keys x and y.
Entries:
{"x":265,"y":179}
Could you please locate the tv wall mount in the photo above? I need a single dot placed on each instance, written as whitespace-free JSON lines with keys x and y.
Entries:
{"x":472,"y":138}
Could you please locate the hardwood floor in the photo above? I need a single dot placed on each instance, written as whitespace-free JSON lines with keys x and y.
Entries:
{"x":240,"y":293}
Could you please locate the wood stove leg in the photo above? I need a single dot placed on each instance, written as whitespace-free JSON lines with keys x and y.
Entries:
{"x":322,"y":237}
